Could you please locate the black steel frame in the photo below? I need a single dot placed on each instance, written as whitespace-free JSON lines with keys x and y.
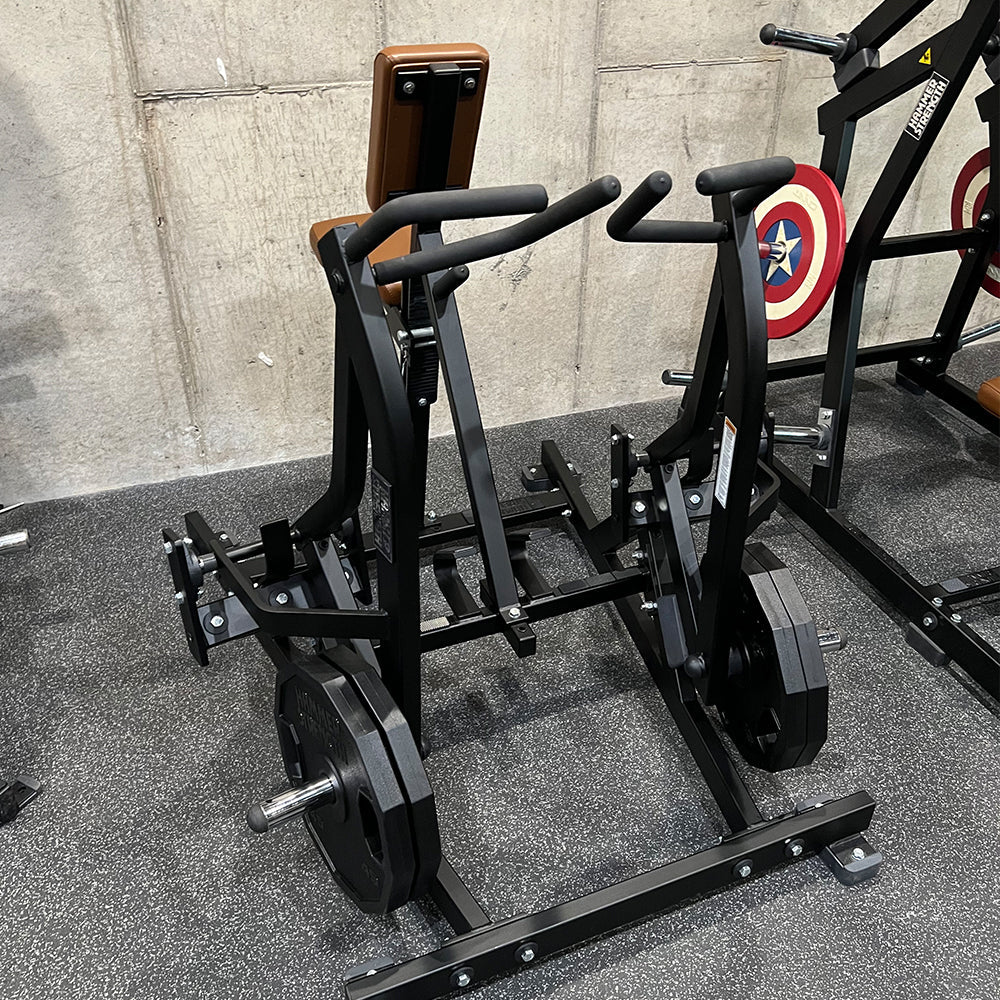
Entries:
{"x":936,"y":628}
{"x":385,"y":398}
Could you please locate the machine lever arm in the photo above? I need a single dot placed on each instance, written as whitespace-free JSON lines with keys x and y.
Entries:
{"x":564,"y":212}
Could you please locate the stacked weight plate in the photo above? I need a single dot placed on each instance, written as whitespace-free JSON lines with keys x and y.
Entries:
{"x":776,"y":709}
{"x":377,"y":829}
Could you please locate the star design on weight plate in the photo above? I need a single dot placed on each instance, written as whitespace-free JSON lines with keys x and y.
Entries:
{"x":786,"y":261}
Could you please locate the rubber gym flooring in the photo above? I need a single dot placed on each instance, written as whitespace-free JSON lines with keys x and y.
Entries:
{"x":135,"y":875}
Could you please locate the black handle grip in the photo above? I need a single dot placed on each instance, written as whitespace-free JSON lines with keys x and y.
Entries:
{"x":834,"y":46}
{"x":568,"y":210}
{"x":440,"y":206}
{"x":625,"y":223}
{"x":753,"y":173}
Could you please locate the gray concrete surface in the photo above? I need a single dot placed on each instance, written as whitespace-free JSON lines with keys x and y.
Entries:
{"x":162,"y":164}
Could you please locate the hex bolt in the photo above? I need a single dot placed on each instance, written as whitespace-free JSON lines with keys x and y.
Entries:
{"x":422,"y":401}
{"x":794,"y":849}
{"x":649,"y":606}
{"x":527,"y":952}
{"x":461,"y":978}
{"x":956,"y":617}
{"x":744,"y":868}
{"x":217,"y":621}
{"x":937,"y":602}
{"x":822,"y":458}
{"x":223,"y":537}
{"x":858,"y":854}
{"x":469,"y":83}
{"x":827,"y":414}
{"x":569,"y":465}
{"x":615,"y":438}
{"x":638,"y":508}
{"x":168,"y":547}
{"x":432,"y":515}
{"x":929,"y":621}
{"x":614,"y":483}
{"x":514,"y":613}
{"x":533,"y":470}
{"x":179,"y":598}
{"x":694,"y":499}
{"x":567,"y":512}
{"x":281,"y":597}
{"x":409,"y":87}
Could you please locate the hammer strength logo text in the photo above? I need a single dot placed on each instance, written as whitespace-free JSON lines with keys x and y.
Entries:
{"x":927,"y":105}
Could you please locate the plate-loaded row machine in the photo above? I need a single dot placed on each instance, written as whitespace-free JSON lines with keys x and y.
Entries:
{"x":943,"y":63}
{"x":338,"y":608}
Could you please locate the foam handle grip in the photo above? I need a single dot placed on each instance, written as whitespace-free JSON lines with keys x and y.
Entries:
{"x":441,"y":206}
{"x":625,"y":223}
{"x":568,"y":210}
{"x":775,"y":170}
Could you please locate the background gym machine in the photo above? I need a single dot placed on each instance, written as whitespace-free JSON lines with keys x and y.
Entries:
{"x":944,"y":63}
{"x":17,"y":793}
{"x":728,"y":629}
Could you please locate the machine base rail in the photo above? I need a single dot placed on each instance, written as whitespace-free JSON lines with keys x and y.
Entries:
{"x":502,"y":948}
{"x":922,"y":605}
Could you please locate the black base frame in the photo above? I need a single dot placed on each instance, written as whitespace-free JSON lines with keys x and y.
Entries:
{"x":483,"y":949}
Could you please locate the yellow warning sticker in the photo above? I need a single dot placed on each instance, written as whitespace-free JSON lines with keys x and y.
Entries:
{"x":925,"y":59}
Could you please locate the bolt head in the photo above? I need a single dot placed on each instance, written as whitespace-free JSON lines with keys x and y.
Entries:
{"x":694,"y":499}
{"x":649,"y":606}
{"x":469,"y":83}
{"x":937,"y":602}
{"x":514,"y":613}
{"x":281,"y":597}
{"x":168,"y":547}
{"x":179,"y":598}
{"x":956,"y":618}
{"x":533,"y":470}
{"x":858,"y":854}
{"x":928,"y":621}
{"x":526,"y":953}
{"x":567,"y":512}
{"x":615,"y":438}
{"x":614,"y":483}
{"x":461,"y":978}
{"x":432,"y":515}
{"x":638,"y":507}
{"x":422,"y":401}
{"x":217,"y":621}
{"x":743,"y":868}
{"x":794,"y":849}
{"x":409,"y":87}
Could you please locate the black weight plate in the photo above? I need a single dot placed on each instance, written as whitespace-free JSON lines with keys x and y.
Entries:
{"x":766,"y":703}
{"x":813,"y":665}
{"x":406,"y":757}
{"x":364,"y":834}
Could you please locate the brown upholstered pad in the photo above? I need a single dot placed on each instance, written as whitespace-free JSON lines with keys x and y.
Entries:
{"x":989,"y":395}
{"x":394,"y":140}
{"x":395,"y":246}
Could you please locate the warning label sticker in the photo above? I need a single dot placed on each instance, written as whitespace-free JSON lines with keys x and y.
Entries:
{"x":927,"y":105}
{"x":726,"y":452}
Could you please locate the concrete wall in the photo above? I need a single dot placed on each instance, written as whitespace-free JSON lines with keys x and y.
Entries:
{"x":162,"y":162}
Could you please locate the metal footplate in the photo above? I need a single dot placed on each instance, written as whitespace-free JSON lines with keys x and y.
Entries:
{"x":504,"y":947}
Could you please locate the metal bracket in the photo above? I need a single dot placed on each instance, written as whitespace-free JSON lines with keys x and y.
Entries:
{"x":411,"y":84}
{"x":826,"y":421}
{"x":15,"y":795}
{"x":853,"y":860}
